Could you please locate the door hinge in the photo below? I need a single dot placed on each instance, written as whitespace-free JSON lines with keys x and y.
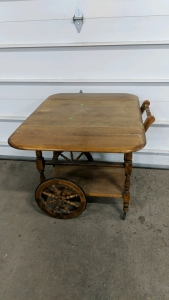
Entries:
{"x":78,"y":19}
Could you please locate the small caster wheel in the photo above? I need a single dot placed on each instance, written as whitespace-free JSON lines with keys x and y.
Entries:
{"x":60,"y":198}
{"x":124,"y":216}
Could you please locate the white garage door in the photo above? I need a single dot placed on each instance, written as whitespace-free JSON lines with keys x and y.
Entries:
{"x":123,"y":46}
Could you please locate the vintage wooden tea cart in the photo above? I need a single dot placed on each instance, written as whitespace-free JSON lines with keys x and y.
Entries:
{"x":80,"y":124}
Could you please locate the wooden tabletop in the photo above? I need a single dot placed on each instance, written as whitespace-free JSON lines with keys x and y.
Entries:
{"x":109,"y":123}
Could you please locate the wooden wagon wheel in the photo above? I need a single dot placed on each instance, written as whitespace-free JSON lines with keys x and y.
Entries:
{"x":72,"y":156}
{"x":64,"y":199}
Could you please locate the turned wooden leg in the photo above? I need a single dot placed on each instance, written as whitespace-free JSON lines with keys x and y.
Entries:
{"x":128,"y":171}
{"x":55,"y":155}
{"x":40,"y":165}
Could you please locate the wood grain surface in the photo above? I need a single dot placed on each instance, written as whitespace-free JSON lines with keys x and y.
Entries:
{"x":109,"y":123}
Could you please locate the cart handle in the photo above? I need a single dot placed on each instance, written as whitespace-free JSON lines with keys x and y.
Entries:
{"x":150,"y":119}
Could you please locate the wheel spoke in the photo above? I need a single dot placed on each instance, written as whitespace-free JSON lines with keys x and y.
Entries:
{"x":66,"y":208}
{"x":79,"y":156}
{"x":56,"y":190}
{"x":49,"y":194}
{"x":71,"y":196}
{"x":72,"y":203}
{"x":72,"y":156}
{"x":65,"y":157}
{"x":50,"y":202}
{"x":64,"y":192}
{"x":56,"y":208}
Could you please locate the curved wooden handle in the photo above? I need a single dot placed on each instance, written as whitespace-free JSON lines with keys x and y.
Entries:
{"x":150,"y":119}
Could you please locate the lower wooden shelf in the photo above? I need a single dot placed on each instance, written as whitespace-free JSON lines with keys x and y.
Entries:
{"x":95,"y":181}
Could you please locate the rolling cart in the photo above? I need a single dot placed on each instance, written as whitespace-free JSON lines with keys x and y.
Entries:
{"x":73,"y":126}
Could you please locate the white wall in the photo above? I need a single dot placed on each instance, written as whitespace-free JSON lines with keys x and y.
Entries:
{"x":123,"y":47}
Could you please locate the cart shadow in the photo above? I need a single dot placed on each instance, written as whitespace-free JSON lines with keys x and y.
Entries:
{"x":115,"y":204}
{"x":24,"y":179}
